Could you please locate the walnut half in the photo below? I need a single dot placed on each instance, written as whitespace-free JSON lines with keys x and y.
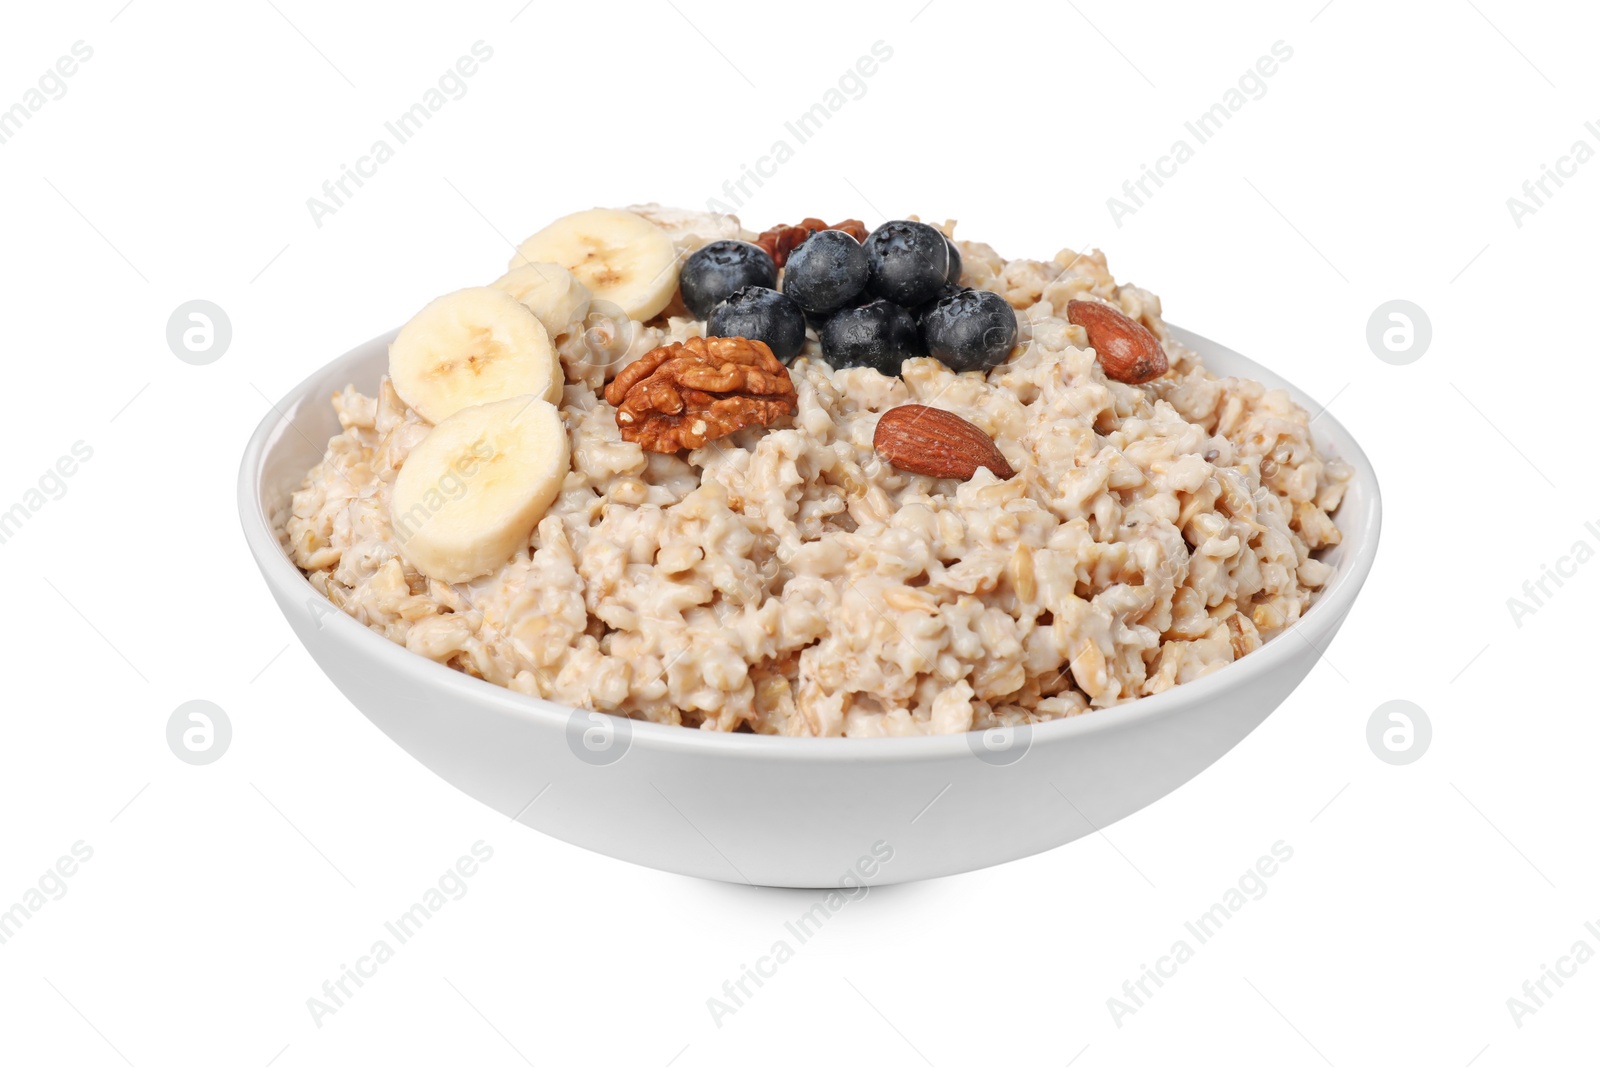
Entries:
{"x":780,"y":241}
{"x":680,"y":396}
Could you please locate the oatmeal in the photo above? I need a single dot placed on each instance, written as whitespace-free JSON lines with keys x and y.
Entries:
{"x":787,"y":578}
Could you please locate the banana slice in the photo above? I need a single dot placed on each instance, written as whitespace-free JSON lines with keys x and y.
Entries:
{"x":470,"y":494}
{"x":473,"y":346}
{"x":557,"y":299}
{"x":619,"y":256}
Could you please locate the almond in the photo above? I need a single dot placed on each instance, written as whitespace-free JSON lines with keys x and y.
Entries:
{"x":1126,"y":350}
{"x":923,"y":440}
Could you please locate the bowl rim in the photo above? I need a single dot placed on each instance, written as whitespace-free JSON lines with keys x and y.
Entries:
{"x":1315,"y":627}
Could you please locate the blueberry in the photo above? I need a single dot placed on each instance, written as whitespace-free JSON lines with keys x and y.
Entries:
{"x":826,"y":272}
{"x":817,"y":322}
{"x":878,"y":335}
{"x":908,"y":262}
{"x":761,"y":314}
{"x":944,"y":291}
{"x":714,"y":272}
{"x":953,"y":275}
{"x":908,"y":332}
{"x":971,"y":330}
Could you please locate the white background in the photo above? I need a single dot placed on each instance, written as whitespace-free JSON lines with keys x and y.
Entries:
{"x":219,"y":898}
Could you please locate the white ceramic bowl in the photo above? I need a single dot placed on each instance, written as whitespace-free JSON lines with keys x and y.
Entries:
{"x":771,"y":810}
